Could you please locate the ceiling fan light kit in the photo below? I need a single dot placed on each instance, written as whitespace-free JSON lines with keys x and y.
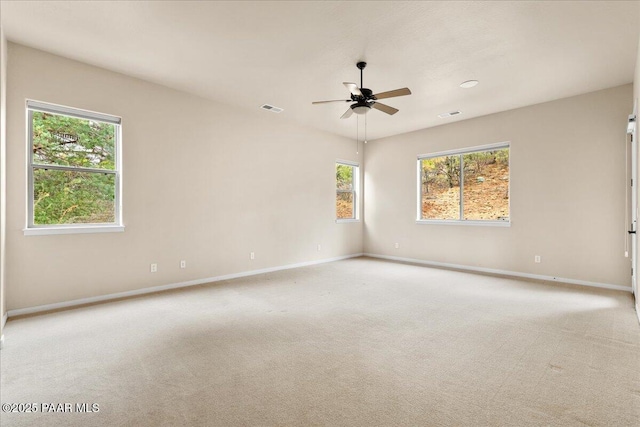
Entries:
{"x":364,"y":99}
{"x":361,"y":108}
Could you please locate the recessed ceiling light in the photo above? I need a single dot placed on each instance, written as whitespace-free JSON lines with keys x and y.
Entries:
{"x":468,"y":84}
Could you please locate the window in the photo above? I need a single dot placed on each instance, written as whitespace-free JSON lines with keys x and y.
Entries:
{"x":347,"y":178}
{"x":469,"y":185}
{"x":74,"y":170}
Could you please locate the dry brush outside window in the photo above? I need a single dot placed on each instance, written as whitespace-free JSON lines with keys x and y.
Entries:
{"x":468,"y":185}
{"x":74,"y":173}
{"x":346,"y":191}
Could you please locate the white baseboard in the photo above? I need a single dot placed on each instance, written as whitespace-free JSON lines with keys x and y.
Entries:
{"x":502,"y":272}
{"x":638,"y":311}
{"x":108,"y":297}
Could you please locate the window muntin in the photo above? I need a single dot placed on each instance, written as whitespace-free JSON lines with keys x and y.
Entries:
{"x":74,"y":169}
{"x":480,"y":174}
{"x":347,"y":175}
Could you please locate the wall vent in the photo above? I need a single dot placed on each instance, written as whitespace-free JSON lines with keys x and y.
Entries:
{"x":452,"y":113}
{"x":271,"y":108}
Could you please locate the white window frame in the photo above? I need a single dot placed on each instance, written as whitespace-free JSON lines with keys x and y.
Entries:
{"x":355,"y":190}
{"x":32,"y":229}
{"x":461,"y":220}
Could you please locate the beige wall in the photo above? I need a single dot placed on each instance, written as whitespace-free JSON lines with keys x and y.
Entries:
{"x":636,"y":78}
{"x":203,"y":182}
{"x":567,"y":191}
{"x":210,"y":183}
{"x":3,"y":128}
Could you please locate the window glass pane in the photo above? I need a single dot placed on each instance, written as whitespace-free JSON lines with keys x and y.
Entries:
{"x":344,"y":206}
{"x":344,"y":177}
{"x":71,"y":197}
{"x":440,"y":187}
{"x":70,"y":141}
{"x":486,"y":185}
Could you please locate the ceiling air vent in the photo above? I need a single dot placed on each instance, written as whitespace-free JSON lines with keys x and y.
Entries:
{"x":271,"y":108}
{"x":453,"y":113}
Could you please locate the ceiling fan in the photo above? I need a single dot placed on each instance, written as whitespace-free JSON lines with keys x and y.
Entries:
{"x":364,"y":99}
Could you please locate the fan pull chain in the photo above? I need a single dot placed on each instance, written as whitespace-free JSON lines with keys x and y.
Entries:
{"x":357,"y":132}
{"x":365,"y":128}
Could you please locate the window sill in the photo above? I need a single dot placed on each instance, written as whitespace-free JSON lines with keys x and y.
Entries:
{"x":89,"y":229}
{"x":469,"y":222}
{"x":340,"y":221}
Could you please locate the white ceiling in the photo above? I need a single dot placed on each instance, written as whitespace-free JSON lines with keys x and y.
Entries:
{"x":289,"y":54}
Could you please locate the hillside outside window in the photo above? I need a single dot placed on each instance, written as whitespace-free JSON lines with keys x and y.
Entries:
{"x":470,"y":186}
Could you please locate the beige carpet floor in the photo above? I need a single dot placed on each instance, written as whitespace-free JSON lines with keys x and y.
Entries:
{"x":359,"y":342}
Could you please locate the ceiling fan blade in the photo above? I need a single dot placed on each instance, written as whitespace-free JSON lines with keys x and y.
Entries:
{"x":390,"y":94}
{"x":347,"y":114}
{"x":353,"y":88}
{"x":333,"y":100}
{"x":385,"y":108}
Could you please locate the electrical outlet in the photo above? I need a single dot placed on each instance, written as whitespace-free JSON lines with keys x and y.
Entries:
{"x":397,"y":245}
{"x":319,"y":247}
{"x":253,"y":255}
{"x":537,"y":259}
{"x":183,"y":264}
{"x":154,"y":268}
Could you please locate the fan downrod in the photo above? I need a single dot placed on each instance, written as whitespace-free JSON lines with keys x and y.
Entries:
{"x":361,"y":66}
